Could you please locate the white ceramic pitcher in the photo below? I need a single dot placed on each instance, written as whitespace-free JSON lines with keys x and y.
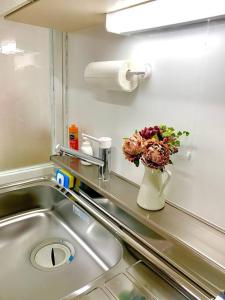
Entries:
{"x":151,"y":196}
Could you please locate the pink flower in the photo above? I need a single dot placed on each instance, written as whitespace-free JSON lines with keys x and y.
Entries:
{"x":156,"y":155}
{"x":133,"y":147}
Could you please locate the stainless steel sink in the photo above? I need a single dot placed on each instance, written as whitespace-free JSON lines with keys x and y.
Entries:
{"x":52,"y":248}
{"x":49,"y":246}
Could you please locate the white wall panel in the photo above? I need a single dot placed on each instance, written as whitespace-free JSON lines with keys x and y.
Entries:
{"x":186,"y":90}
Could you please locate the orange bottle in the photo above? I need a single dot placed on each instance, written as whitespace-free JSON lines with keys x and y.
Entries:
{"x":73,"y":137}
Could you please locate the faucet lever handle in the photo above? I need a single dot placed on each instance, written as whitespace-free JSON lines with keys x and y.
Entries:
{"x":104,"y":142}
{"x":90,"y":137}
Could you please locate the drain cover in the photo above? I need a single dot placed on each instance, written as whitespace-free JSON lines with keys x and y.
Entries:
{"x":52,"y":254}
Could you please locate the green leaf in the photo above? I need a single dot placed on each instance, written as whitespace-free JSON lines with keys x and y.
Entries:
{"x":179,"y":133}
{"x":177,"y":143}
{"x":136,"y":162}
{"x":166,"y":134}
{"x":186,"y":133}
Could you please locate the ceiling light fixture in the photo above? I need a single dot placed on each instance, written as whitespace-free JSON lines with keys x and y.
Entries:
{"x":163,"y":13}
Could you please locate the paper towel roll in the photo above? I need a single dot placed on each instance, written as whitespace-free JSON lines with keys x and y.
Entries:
{"x":111,"y":75}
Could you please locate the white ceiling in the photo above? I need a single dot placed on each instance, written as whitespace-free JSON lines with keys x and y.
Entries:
{"x":7,"y":5}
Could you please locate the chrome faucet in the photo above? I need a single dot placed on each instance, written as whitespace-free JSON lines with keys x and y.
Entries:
{"x":103,"y":161}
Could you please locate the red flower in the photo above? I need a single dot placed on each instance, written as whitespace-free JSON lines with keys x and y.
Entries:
{"x":148,"y":133}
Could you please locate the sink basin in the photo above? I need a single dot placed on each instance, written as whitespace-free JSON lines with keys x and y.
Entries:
{"x":49,"y":246}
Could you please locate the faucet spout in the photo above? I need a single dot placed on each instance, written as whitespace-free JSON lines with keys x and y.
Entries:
{"x":103,"y":163}
{"x":78,"y":154}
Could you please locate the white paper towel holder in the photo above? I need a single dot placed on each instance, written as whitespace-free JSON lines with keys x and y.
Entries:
{"x":122,"y":75}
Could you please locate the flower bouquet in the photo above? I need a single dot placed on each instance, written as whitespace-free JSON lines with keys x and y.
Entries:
{"x":154,"y":147}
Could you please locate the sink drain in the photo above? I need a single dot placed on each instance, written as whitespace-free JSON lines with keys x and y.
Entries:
{"x":52,"y":254}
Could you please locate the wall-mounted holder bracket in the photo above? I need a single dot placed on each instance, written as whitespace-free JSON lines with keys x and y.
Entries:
{"x":143,"y":72}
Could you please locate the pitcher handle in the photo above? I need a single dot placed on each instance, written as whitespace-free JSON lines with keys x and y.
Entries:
{"x":169,"y":175}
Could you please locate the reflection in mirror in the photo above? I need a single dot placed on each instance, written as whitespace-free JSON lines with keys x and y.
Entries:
{"x":25,"y":115}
